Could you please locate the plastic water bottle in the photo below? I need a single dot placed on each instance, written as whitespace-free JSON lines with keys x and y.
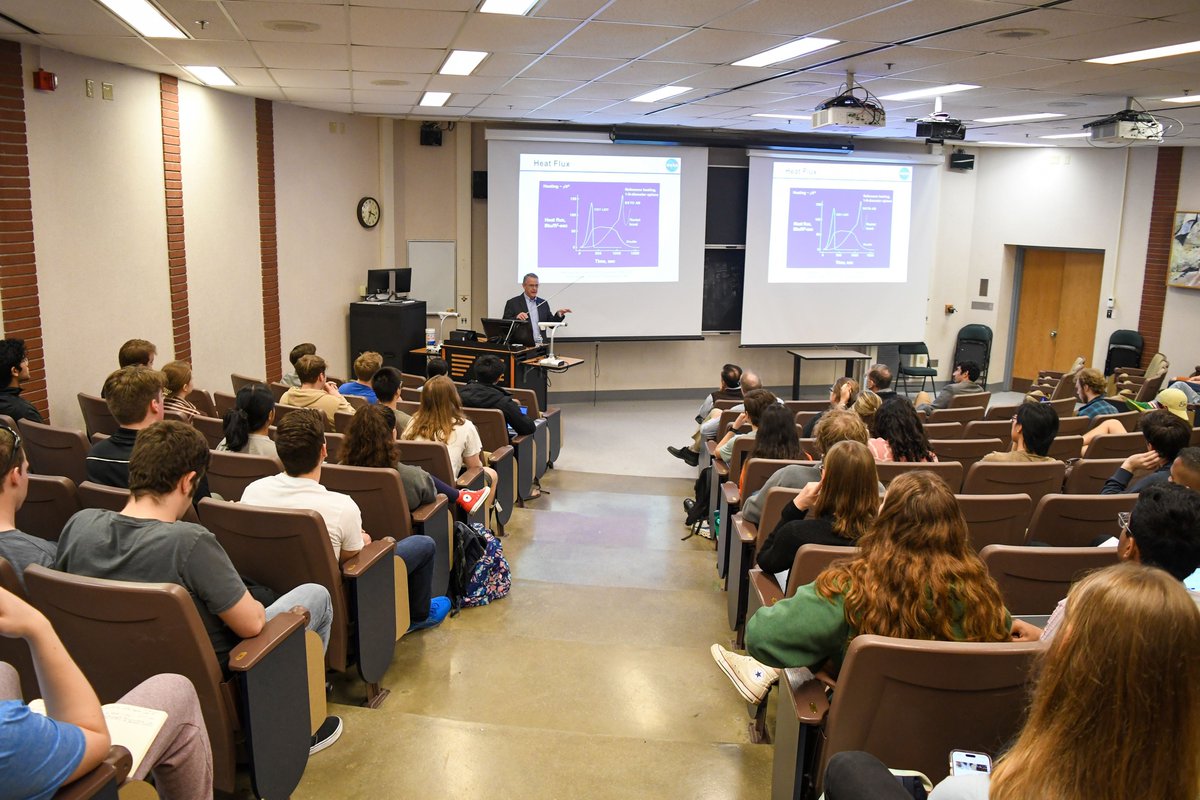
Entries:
{"x":431,"y":342}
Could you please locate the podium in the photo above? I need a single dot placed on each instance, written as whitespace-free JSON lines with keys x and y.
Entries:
{"x":460,"y":356}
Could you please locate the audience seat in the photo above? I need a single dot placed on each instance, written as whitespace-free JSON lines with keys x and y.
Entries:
{"x":976,"y":400}
{"x":230,"y":473}
{"x":1087,"y":475}
{"x":211,"y":428}
{"x":964,"y":451}
{"x":501,"y":456}
{"x":755,"y":474}
{"x":238,"y":381}
{"x":1073,"y":426}
{"x":1115,"y":445}
{"x":412,"y":395}
{"x":1065,"y":448}
{"x":283,"y":548}
{"x":96,"y":416}
{"x":410,"y":381}
{"x":122,"y":633}
{"x":1035,"y":479}
{"x":803,"y":418}
{"x":434,"y":458}
{"x":907,"y":702}
{"x":965,"y":414}
{"x":944,"y":430}
{"x":1065,"y":406}
{"x":385,"y":512}
{"x":50,"y":501}
{"x":177,"y":416}
{"x":1033,"y":579}
{"x":745,"y":540}
{"x":1130,"y":420}
{"x":522,"y":448}
{"x":1001,"y":412}
{"x":341,"y":421}
{"x":114,"y":498}
{"x":357,"y":401}
{"x":1077,"y":520}
{"x":995,"y":518}
{"x":13,"y":650}
{"x":203,"y":401}
{"x":278,"y":389}
{"x":55,"y":451}
{"x":224,"y":403}
{"x":107,"y":781}
{"x":797,"y":406}
{"x":986,"y":429}
{"x":951,"y":472}
{"x":282,"y":410}
{"x":553,"y":420}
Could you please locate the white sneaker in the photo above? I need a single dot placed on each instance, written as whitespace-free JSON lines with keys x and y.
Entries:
{"x":752,"y":679}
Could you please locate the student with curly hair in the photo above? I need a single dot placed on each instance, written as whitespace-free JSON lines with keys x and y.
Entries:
{"x":899,"y":435}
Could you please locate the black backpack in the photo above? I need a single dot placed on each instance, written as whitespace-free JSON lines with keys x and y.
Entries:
{"x":470,"y":545}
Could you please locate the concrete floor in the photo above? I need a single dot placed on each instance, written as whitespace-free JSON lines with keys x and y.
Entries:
{"x":592,"y":679}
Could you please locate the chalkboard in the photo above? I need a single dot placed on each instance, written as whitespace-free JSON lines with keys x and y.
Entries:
{"x":724,"y":273}
{"x":725,"y":217}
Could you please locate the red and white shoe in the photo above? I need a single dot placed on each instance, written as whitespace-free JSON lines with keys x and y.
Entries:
{"x":472,"y":499}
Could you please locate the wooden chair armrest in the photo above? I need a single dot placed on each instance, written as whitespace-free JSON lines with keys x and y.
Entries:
{"x":502,"y":452}
{"x":516,"y":440}
{"x":1122,"y":371}
{"x":765,"y":586}
{"x":426,"y":512}
{"x":249,"y":652}
{"x":747,"y":531}
{"x":731,"y":493}
{"x":720,"y":467}
{"x":112,"y":770}
{"x":470,"y":475}
{"x":368,"y":556}
{"x":808,"y":696}
{"x":1049,"y":373}
{"x":711,"y":446}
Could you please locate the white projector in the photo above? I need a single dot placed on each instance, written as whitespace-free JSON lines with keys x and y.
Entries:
{"x":848,"y":118}
{"x":1121,"y":131}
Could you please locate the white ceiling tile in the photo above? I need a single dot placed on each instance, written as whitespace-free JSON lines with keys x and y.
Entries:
{"x":977,"y":69}
{"x":517,"y":104}
{"x":464,"y":100}
{"x":504,"y":64}
{"x":413,"y":81}
{"x":192,"y":51}
{"x":391,"y":27}
{"x":189,"y":13}
{"x":602,"y":90}
{"x":582,"y":69}
{"x":691,"y":13}
{"x":120,"y":49}
{"x":1146,"y":9}
{"x":341,"y":108}
{"x":301,"y":95}
{"x":1123,"y":39}
{"x":396,"y":59}
{"x":65,"y":17}
{"x":292,"y":55}
{"x":250,"y":17}
{"x":250,"y":76}
{"x":501,"y":33}
{"x":383,"y":109}
{"x":568,"y":107}
{"x":464,"y":83}
{"x":901,"y":60}
{"x":797,"y":18}
{"x":1051,"y":23}
{"x":266,"y":93}
{"x":654,"y":73}
{"x":537,"y":87}
{"x":617,"y":40}
{"x":727,"y":77}
{"x":495,"y":113}
{"x":443,"y":112}
{"x":379,"y":97}
{"x":436,"y":5}
{"x":916,"y":18}
{"x":311,"y":78}
{"x":709,"y":46}
{"x":568,"y":9}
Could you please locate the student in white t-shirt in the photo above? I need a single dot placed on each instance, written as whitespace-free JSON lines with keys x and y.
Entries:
{"x":440,"y":418}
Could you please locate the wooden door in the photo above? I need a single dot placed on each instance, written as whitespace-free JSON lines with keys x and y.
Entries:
{"x":1056,"y":312}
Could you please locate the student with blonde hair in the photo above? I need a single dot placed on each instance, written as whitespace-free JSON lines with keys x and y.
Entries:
{"x":365,"y":367}
{"x":440,"y":418}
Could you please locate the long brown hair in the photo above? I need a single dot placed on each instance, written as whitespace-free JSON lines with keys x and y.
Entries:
{"x":440,"y":411}
{"x":849,"y":490}
{"x":916,"y":577}
{"x":370,"y":440}
{"x":1116,"y":710}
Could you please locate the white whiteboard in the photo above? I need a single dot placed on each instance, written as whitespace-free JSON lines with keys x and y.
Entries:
{"x":434,"y":268}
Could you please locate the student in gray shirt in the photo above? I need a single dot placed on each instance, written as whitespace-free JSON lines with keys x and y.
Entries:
{"x":17,"y":548}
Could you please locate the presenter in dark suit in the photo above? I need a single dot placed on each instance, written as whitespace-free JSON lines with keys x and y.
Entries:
{"x":528,"y":306}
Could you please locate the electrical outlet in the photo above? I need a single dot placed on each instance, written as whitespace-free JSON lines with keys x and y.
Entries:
{"x":89,"y":88}
{"x":933,"y":362}
{"x":106,"y":91}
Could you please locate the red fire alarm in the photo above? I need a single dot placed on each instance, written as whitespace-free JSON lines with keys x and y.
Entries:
{"x":45,"y":81}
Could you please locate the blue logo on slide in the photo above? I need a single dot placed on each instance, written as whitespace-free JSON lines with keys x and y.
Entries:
{"x":672,"y":165}
{"x":905,"y":172}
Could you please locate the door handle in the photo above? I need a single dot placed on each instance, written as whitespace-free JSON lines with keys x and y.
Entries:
{"x":1053,"y":334}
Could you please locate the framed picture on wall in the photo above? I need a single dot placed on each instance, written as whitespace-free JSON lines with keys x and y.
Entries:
{"x":1184,"y":267}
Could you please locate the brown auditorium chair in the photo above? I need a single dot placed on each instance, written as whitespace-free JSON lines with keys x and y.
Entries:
{"x":122,"y":633}
{"x":1033,"y":579}
{"x":282,"y":410}
{"x":114,"y":498}
{"x":1035,"y":479}
{"x":1087,"y":475}
{"x":966,"y":414}
{"x":803,"y":418}
{"x":278,"y":389}
{"x":755,"y":474}
{"x":411,"y":381}
{"x":177,"y":416}
{"x":501,"y":457}
{"x":725,"y":405}
{"x":986,"y":429}
{"x":1004,"y":412}
{"x":49,"y":503}
{"x":1115,"y":445}
{"x":342,"y":420}
{"x":995,"y":518}
{"x":412,"y":395}
{"x":203,"y":401}
{"x":797,"y":406}
{"x":380,"y":497}
{"x":239,"y":381}
{"x":1064,"y":406}
{"x":745,"y":540}
{"x":107,"y":781}
{"x":907,"y":702}
{"x":951,"y":472}
{"x":224,"y":403}
{"x":976,"y":400}
{"x":1064,"y":448}
{"x":964,"y":451}
{"x":284,"y":548}
{"x":729,"y":495}
{"x":211,"y":428}
{"x":407,"y":407}
{"x":55,"y":451}
{"x":333,"y":446}
{"x":810,"y":448}
{"x":493,"y":433}
{"x":434,"y":458}
{"x":13,"y":650}
{"x":553,"y":423}
{"x":1073,"y":426}
{"x":96,"y":416}
{"x":944,"y":430}
{"x":230,"y":473}
{"x":1130,"y":420}
{"x":357,"y":401}
{"x":1077,"y":520}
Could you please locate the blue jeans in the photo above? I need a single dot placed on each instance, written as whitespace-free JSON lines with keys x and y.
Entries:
{"x":418,"y":552}
{"x":441,"y":487}
{"x":1193,"y":396}
{"x":316,"y":599}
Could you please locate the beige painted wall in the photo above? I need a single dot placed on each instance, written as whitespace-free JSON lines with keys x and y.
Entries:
{"x":1181,"y":316}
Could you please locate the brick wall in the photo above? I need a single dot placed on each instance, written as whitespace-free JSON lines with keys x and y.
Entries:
{"x":264,"y":123}
{"x":181,"y":329}
{"x":1158,"y":251}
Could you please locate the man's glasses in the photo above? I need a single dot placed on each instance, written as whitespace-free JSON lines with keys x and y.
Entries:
{"x":1123,"y":521}
{"x":16,"y":447}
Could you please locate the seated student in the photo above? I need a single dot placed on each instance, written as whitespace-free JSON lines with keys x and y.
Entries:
{"x":835,"y":510}
{"x":900,"y":436}
{"x":386,"y":384}
{"x":962,"y":381}
{"x":842,"y":394}
{"x":1034,"y":427}
{"x":836,"y":426}
{"x":1171,"y":400}
{"x":40,"y":753}
{"x":731,"y":387}
{"x":18,"y":548}
{"x":300,"y":438}
{"x":1115,"y":703}
{"x":1189,"y":386}
{"x":916,"y":576}
{"x":1185,"y":470}
{"x":178,"y":375}
{"x":315,"y":391}
{"x":439,"y":418}
{"x":298,"y":352}
{"x":485,"y":391}
{"x":756,"y":402}
{"x":14,"y":370}
{"x":1166,"y":434}
{"x":879,"y":381}
{"x":435,"y":366}
{"x":136,"y":352}
{"x":365,"y":367}
{"x":1089,"y":390}
{"x":147,"y":543}
{"x":867,"y":406}
{"x":1163,"y":531}
{"x":248,"y":423}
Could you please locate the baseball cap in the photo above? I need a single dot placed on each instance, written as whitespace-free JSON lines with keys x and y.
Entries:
{"x":1175,"y":401}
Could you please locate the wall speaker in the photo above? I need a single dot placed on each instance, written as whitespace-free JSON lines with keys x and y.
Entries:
{"x":431,"y":135}
{"x":963,"y":161}
{"x":479,"y":185}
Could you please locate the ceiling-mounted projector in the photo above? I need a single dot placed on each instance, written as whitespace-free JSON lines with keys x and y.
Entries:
{"x":1125,"y":127}
{"x":939,"y":130}
{"x":848,"y":113}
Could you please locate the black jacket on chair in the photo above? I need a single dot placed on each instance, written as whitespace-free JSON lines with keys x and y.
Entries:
{"x":482,"y":395}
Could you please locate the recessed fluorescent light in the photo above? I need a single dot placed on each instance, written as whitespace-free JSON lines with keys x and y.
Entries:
{"x":1194,"y":98}
{"x":784,"y":116}
{"x":434,"y":98}
{"x":661,"y":93}
{"x":1146,"y":55}
{"x":462,"y":62}
{"x":145,"y":19}
{"x":211,"y":76}
{"x":1020,"y":117}
{"x":516,"y":7}
{"x":786,"y":52}
{"x":1083,"y":135}
{"x":933,"y":91}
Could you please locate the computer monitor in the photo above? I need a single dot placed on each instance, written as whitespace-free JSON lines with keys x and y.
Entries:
{"x":498,"y":330}
{"x":403,"y":280}
{"x":379,"y":281}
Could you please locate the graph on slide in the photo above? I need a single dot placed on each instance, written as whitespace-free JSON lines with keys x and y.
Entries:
{"x":598,"y":224}
{"x":839,"y":228}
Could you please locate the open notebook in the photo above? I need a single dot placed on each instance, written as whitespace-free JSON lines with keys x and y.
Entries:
{"x":131,"y":727}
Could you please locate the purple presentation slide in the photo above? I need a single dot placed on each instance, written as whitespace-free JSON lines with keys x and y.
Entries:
{"x":597,"y":224}
{"x":839,"y":228}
